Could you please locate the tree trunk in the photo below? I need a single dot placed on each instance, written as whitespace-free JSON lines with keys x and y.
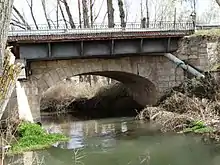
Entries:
{"x":72,"y":24}
{"x":80,"y":14}
{"x":45,"y":13}
{"x":110,"y":11}
{"x":147,"y":14}
{"x":22,"y":19}
{"x":5,"y":17}
{"x":85,"y":14}
{"x":218,"y":2}
{"x":32,"y":13}
{"x":62,"y":13}
{"x":9,"y":72}
{"x":122,"y":13}
{"x":91,"y":12}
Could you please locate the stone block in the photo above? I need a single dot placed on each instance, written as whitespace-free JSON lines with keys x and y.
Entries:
{"x":37,"y":72}
{"x":48,"y":79}
{"x":38,"y":64}
{"x":64,"y":63}
{"x":163,"y":84}
{"x":193,"y":56}
{"x":164,"y":78}
{"x":53,"y":73}
{"x":42,"y":86}
{"x":52,"y":64}
{"x":173,"y":83}
{"x":68,"y":72}
{"x":61,"y":73}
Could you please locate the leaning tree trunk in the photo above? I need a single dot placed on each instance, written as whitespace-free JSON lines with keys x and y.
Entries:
{"x":122,"y":13}
{"x":72,"y":24}
{"x":9,"y":71}
{"x":218,"y":2}
{"x":110,"y":11}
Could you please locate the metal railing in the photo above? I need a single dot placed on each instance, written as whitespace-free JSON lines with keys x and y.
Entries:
{"x":207,"y":26}
{"x":100,"y":28}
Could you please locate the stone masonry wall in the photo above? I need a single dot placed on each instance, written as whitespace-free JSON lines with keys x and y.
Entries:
{"x":158,"y":70}
{"x":201,"y":51}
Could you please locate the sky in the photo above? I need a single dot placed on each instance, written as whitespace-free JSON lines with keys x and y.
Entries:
{"x":133,"y":7}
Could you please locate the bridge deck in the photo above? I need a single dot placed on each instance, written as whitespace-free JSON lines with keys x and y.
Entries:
{"x":54,"y":35}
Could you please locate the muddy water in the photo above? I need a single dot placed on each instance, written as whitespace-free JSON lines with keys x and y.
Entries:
{"x":119,"y":141}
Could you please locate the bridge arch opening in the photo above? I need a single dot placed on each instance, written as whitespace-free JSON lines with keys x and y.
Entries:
{"x":125,"y":97}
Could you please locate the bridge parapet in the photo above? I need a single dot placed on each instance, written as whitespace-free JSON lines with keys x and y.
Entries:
{"x":100,"y":31}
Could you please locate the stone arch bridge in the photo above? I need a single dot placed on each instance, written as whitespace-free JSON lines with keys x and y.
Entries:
{"x":147,"y":76}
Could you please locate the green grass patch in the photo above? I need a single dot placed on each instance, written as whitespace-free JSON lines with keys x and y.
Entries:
{"x":34,"y":137}
{"x":198,"y":127}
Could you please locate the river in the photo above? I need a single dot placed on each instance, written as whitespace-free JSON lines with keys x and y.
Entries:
{"x":119,"y":141}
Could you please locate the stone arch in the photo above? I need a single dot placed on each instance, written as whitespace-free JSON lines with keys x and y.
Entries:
{"x":144,"y":91}
{"x":137,"y":73}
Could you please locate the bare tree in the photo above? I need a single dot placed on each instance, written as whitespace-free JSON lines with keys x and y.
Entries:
{"x":45,"y":13}
{"x":211,"y":14}
{"x":91,"y":4}
{"x":62,"y":13}
{"x":30,"y":4}
{"x":127,"y":7}
{"x":147,"y":13}
{"x":85,"y":14}
{"x":141,"y":5}
{"x":80,"y":14}
{"x":96,"y":16}
{"x":122,"y":13}
{"x":19,"y":21}
{"x":71,"y":22}
{"x":110,"y":11}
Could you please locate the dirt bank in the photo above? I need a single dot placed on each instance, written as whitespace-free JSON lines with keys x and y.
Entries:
{"x":193,"y":106}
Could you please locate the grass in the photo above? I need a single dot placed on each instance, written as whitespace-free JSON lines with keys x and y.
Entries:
{"x":33,"y":137}
{"x":209,"y":32}
{"x":198,"y":127}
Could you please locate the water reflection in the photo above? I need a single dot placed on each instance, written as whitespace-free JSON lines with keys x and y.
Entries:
{"x":120,"y":142}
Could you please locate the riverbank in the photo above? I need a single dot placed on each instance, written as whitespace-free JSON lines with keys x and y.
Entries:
{"x":191,"y":107}
{"x":26,"y":136}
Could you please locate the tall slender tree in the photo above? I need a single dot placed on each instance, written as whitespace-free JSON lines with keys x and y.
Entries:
{"x":19,"y":20}
{"x":80,"y":14}
{"x":91,"y":4}
{"x":71,"y":22}
{"x":147,"y":14}
{"x":63,"y":15}
{"x":122,"y":13}
{"x":31,"y":5}
{"x":45,"y":13}
{"x":85,"y":13}
{"x":110,"y":11}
